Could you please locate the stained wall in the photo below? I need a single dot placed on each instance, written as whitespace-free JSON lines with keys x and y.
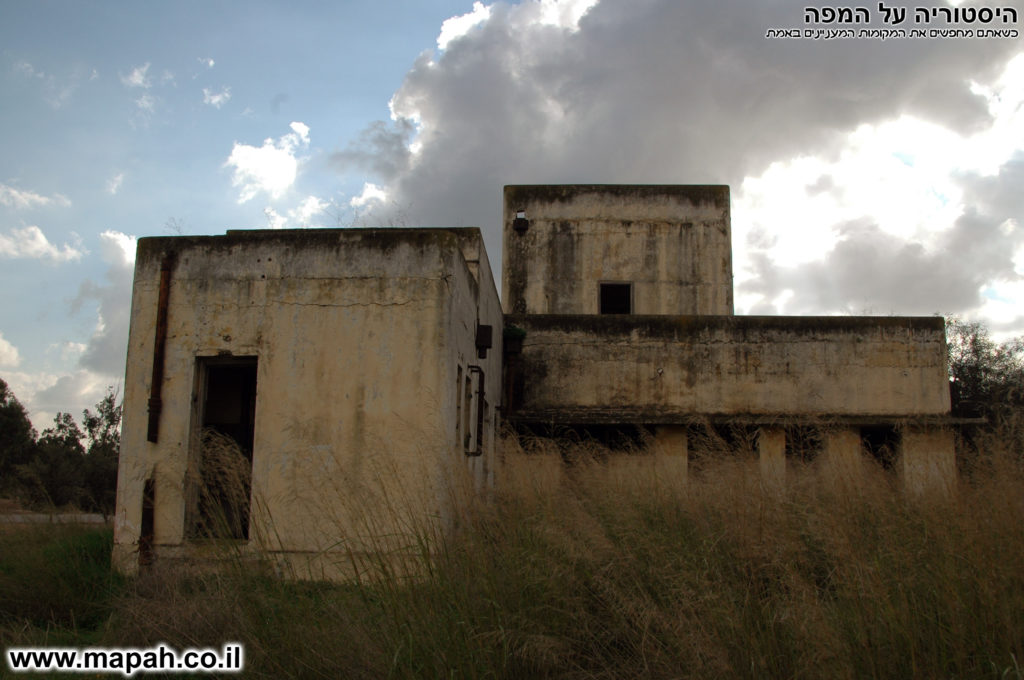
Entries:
{"x":663,"y":369}
{"x":671,"y":243}
{"x":358,"y":336}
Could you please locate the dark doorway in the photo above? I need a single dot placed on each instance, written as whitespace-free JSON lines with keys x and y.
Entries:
{"x":227,"y":417}
{"x":616,"y":298}
{"x":881,"y":443}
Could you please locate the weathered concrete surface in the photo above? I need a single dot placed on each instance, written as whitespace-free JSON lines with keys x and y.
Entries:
{"x":379,"y":386}
{"x":672,"y":441}
{"x":359,"y":336}
{"x":474,"y":301}
{"x":651,"y":369}
{"x":660,"y":470}
{"x":927,"y":460}
{"x":672,"y":243}
{"x":842,"y":457}
{"x":671,"y":454}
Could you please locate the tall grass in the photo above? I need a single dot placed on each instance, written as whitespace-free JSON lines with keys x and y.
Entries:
{"x":56,"y":584}
{"x":606,"y":568}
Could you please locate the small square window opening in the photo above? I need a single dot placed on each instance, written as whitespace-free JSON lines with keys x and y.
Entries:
{"x":616,"y":298}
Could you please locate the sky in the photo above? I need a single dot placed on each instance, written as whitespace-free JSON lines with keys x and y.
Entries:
{"x":875,"y":167}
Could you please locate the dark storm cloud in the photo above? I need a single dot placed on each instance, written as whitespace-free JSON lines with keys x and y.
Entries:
{"x":382,"y":150}
{"x":656,"y":91}
{"x":873,"y":271}
{"x":869,"y":271}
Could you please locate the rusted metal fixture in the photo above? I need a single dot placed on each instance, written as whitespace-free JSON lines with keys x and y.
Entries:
{"x":155,"y":404}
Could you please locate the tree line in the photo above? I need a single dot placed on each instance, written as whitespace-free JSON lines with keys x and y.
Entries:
{"x":987,"y":382}
{"x":986,"y":378}
{"x":68,"y":465}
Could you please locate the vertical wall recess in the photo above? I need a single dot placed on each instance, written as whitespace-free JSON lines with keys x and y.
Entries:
{"x":155,"y":403}
{"x":148,"y":531}
{"x":476,"y":447}
{"x":484,"y":339}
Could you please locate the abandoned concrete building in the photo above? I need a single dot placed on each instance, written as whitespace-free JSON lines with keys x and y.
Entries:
{"x":358,"y":371}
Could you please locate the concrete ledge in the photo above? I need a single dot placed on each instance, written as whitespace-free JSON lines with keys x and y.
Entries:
{"x":637,"y":326}
{"x":665,"y":416}
{"x":665,"y":369}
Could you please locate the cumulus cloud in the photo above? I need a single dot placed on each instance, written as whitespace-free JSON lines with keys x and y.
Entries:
{"x":308,"y":208}
{"x":216,"y":99}
{"x":68,"y":350}
{"x":98,"y":363}
{"x":118,"y":249}
{"x":959,"y":269}
{"x":23,"y":199}
{"x":299,"y":216}
{"x":9,"y":357}
{"x":271,"y":168}
{"x":382,"y":149}
{"x":44,"y":394}
{"x":104,"y":354}
{"x":31,"y":242}
{"x":656,"y":91}
{"x":559,"y":13}
{"x":137,"y":77}
{"x":301,"y":130}
{"x":25,"y":386}
{"x":275,"y":220}
{"x":70,"y":393}
{"x":458,"y":26}
{"x":371,"y":193}
{"x":563,"y":13}
{"x":661,"y":91}
{"x":908,"y":217}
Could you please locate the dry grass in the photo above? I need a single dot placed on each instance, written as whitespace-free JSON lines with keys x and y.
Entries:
{"x":611,"y":568}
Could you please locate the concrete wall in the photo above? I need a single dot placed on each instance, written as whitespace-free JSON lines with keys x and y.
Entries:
{"x":357,"y":334}
{"x":474,"y":302}
{"x":928,"y":460}
{"x":771,"y":450}
{"x":925,"y":460}
{"x":673,"y":243}
{"x":613,"y":369}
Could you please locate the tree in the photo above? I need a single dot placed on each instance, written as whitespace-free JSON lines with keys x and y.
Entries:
{"x":987,"y":378}
{"x":17,"y":438}
{"x":64,"y":466}
{"x":54,"y":474}
{"x":103,"y":430}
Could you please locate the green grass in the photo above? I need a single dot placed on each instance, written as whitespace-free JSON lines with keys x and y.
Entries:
{"x":56,"y":584}
{"x":578,"y":575}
